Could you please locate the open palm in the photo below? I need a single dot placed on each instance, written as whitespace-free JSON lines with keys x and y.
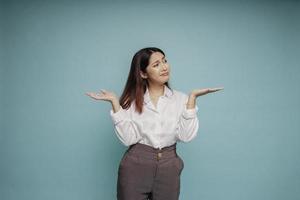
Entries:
{"x":103,"y":95}
{"x":200,"y":92}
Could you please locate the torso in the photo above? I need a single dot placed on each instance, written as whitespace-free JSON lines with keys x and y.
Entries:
{"x":154,"y":101}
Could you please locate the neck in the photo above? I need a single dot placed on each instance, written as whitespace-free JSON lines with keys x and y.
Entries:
{"x":156,"y":90}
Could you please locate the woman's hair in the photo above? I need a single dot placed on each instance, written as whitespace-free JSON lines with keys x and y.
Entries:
{"x":136,"y":86}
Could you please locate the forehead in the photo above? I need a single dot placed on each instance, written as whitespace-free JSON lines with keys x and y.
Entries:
{"x":156,"y":56}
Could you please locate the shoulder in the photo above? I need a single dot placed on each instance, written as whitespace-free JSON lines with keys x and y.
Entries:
{"x":179,"y":95}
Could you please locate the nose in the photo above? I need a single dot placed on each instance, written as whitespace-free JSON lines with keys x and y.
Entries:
{"x":164,"y":66}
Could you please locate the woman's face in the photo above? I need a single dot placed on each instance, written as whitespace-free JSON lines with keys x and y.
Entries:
{"x":158,"y":69}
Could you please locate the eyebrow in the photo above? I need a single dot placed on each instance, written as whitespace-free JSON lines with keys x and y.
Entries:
{"x":158,"y":60}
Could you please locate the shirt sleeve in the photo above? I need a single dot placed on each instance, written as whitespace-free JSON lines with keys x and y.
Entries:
{"x":188,"y":123}
{"x":124,"y":127}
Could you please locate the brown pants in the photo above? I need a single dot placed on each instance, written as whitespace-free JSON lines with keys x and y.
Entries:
{"x":148,"y":173}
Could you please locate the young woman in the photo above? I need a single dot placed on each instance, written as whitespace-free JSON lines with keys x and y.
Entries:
{"x":150,"y":118}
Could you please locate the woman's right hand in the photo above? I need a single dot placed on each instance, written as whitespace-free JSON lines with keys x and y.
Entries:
{"x":103,"y":95}
{"x":106,"y":96}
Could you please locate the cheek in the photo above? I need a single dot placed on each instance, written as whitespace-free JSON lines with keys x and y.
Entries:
{"x":155,"y":72}
{"x":153,"y":75}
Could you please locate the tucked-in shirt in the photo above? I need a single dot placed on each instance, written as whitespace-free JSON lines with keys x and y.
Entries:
{"x":159,"y":126}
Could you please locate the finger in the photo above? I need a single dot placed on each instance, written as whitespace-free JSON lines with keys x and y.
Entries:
{"x":97,"y":96}
{"x":218,"y":88}
{"x":100,"y":95}
{"x":88,"y":93}
{"x":102,"y":90}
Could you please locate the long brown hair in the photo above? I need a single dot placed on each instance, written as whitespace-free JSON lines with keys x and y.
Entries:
{"x":136,"y":86}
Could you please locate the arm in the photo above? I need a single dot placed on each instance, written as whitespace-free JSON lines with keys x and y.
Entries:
{"x":188,"y":124}
{"x":124,"y":127}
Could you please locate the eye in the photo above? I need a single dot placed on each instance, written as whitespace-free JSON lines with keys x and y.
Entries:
{"x":166,"y":60}
{"x":155,"y":65}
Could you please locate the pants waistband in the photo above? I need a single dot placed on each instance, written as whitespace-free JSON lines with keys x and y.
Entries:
{"x":146,"y":151}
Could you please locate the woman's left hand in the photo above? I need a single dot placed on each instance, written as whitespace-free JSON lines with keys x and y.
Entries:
{"x":199,"y":92}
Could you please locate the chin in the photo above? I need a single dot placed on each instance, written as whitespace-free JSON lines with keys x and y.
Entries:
{"x":165,"y":81}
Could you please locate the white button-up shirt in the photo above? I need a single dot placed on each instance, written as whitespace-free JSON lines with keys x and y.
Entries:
{"x":158,"y":127}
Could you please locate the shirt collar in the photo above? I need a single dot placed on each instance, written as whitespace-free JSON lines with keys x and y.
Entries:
{"x":167,"y":93}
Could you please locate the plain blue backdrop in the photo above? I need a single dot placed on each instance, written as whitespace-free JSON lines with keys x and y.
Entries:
{"x":58,"y":144}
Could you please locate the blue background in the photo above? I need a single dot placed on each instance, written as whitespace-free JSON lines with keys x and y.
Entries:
{"x":57,"y":143}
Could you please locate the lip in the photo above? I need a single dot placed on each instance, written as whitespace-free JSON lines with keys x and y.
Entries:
{"x":165,"y":74}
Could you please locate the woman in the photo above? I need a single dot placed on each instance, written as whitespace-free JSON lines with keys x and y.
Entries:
{"x":150,"y":118}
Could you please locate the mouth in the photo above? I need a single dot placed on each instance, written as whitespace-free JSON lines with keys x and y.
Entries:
{"x":165,"y":74}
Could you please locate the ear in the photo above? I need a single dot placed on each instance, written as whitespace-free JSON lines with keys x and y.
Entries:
{"x":143,"y":75}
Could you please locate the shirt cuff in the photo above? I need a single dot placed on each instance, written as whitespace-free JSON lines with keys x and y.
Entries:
{"x":190,"y":113}
{"x":117,"y":116}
